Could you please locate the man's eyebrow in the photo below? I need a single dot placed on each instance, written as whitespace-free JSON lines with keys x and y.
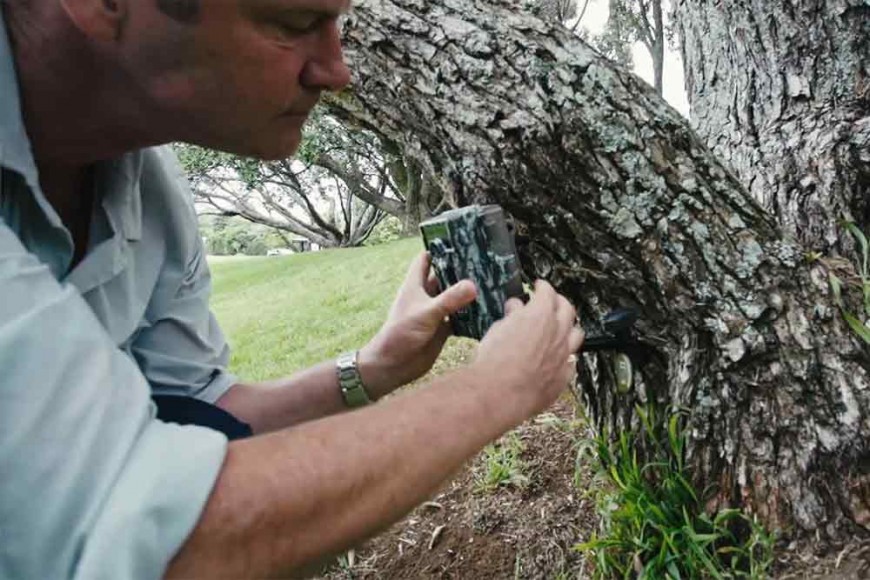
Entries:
{"x":344,"y":6}
{"x":327,"y":7}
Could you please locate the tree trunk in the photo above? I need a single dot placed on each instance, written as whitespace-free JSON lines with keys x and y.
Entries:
{"x":780,"y":90}
{"x":420,"y":193}
{"x":359,"y":185}
{"x":657,"y":49}
{"x":620,"y":204}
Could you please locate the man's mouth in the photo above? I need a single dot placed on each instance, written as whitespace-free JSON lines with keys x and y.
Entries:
{"x":303,"y":109}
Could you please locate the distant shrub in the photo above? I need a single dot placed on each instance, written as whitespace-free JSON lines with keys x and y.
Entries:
{"x":389,"y":230}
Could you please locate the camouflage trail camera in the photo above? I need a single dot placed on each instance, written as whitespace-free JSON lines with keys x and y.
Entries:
{"x":475,"y":243}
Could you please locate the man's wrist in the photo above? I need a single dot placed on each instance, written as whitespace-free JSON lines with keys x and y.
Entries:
{"x":506,"y":403}
{"x":350,"y":383}
{"x":375,"y":375}
{"x":518,"y":397}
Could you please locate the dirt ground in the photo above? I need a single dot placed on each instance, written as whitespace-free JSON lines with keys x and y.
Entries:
{"x":530,"y":531}
{"x":849,"y":562}
{"x":507,"y":533}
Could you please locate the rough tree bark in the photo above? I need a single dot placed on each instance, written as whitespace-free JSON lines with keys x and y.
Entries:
{"x":780,"y":89}
{"x":619,"y":203}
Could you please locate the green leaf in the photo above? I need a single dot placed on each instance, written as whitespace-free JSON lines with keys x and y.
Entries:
{"x":836,"y":288}
{"x":673,"y":571}
{"x":865,"y":247}
{"x":857,"y":326}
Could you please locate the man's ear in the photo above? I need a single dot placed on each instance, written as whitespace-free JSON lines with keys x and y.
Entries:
{"x":98,"y":19}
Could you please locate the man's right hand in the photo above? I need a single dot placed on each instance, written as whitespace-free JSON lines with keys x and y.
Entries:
{"x":290,"y":498}
{"x":530,"y":349}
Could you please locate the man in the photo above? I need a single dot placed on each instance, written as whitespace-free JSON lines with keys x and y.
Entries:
{"x":103,"y":302}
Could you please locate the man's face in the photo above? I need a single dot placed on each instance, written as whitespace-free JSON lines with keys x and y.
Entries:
{"x":241,"y":78}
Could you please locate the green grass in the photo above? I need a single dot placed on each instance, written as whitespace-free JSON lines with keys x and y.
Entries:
{"x":862,"y":283}
{"x":653,"y":521}
{"x":283,"y":314}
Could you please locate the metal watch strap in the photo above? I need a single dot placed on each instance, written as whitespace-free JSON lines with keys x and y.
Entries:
{"x":349,"y":381}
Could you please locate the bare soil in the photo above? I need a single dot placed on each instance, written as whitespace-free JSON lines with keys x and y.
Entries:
{"x":530,"y":532}
{"x":848,"y":562}
{"x":510,"y":532}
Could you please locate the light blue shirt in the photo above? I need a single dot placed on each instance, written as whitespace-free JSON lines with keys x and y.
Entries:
{"x":91,"y":484}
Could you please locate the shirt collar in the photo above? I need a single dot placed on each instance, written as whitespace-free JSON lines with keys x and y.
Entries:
{"x":119,"y":184}
{"x":15,"y":151}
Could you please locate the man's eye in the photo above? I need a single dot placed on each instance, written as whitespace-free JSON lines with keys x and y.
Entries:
{"x":301,"y":26}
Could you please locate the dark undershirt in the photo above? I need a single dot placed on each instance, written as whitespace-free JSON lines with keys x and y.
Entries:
{"x":79,"y":225}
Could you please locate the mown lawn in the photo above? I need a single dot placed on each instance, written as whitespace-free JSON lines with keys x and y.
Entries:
{"x":282,"y":314}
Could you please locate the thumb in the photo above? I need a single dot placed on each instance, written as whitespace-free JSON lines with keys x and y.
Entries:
{"x":454,"y":298}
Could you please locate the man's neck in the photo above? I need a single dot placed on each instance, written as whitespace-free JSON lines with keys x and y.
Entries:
{"x":71,"y":192}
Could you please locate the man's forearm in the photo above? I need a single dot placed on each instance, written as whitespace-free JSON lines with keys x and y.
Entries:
{"x":286,"y":499}
{"x":273,"y":405}
{"x":307,"y":395}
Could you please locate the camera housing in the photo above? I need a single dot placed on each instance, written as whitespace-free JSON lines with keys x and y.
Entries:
{"x":476,"y":243}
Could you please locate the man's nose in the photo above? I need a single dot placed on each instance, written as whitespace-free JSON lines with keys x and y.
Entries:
{"x":327,"y":70}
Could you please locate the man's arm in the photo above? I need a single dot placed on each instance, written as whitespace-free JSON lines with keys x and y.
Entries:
{"x":91,"y":486}
{"x":290,"y":498}
{"x":403,"y":350}
{"x":273,"y":405}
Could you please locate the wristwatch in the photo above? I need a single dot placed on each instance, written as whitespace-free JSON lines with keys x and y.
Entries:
{"x":349,"y":381}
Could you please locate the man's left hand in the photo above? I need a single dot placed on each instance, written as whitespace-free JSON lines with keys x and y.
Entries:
{"x":416,"y":329}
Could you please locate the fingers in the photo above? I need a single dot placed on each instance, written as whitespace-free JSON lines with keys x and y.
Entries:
{"x":551,"y":303}
{"x":571,"y":372}
{"x":544,"y":296}
{"x":512,"y":305}
{"x":576,"y":338}
{"x":432,"y":286}
{"x":418,"y":271}
{"x":542,"y":302}
{"x":565,"y":314}
{"x":547,"y":302}
{"x":455,"y":298}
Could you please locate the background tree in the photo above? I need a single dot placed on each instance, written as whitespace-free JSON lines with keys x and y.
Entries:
{"x":631,"y":21}
{"x":628,"y":22}
{"x":621,"y":204}
{"x":341,"y":185}
{"x":558,"y":10}
{"x":334,"y":194}
{"x":227,"y":236}
{"x":305,"y":201}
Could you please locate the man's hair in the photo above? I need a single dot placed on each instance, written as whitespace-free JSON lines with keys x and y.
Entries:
{"x":182,"y":10}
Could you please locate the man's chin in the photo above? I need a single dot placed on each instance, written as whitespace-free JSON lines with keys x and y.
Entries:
{"x":270,"y":144}
{"x":279,"y":148}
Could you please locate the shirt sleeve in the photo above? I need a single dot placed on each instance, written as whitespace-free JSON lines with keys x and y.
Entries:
{"x":92,"y":485}
{"x":182,"y":350}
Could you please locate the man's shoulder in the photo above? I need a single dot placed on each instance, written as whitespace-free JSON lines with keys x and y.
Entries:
{"x":163,"y":177}
{"x":167,"y":202}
